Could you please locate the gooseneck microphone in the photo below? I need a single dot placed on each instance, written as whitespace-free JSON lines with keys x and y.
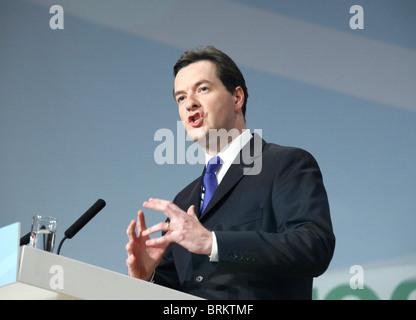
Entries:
{"x":82,"y":221}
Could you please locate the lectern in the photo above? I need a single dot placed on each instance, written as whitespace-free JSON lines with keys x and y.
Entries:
{"x":44,"y":275}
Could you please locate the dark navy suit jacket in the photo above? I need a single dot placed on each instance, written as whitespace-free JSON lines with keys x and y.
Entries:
{"x":273,"y":230}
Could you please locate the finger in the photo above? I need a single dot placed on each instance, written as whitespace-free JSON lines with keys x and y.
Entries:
{"x":156,"y":204}
{"x":130,"y":261}
{"x":191,"y":211}
{"x":141,"y":222}
{"x":131,"y":230}
{"x":162,"y":226}
{"x":129,"y":247}
{"x":167,"y":207}
{"x":159,"y":242}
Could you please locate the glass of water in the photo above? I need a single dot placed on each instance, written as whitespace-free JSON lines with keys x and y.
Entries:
{"x":43,"y":233}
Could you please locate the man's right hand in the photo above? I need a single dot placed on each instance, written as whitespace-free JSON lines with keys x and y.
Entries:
{"x":141,"y":260}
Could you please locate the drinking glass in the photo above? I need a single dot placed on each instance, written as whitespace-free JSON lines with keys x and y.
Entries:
{"x":43,"y":232}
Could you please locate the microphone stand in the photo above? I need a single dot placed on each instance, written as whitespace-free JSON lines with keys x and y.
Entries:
{"x":60,"y":245}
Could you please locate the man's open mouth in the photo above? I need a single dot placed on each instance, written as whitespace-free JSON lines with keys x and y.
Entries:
{"x":195,"y":120}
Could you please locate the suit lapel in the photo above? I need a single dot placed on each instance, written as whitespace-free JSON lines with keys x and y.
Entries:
{"x":240,"y":167}
{"x":233,"y":175}
{"x":195,"y":195}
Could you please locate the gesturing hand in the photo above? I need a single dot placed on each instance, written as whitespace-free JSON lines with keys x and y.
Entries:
{"x":183,"y":228}
{"x":142,"y":259}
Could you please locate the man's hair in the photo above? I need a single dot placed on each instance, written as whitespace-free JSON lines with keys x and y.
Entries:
{"x":226,"y":69}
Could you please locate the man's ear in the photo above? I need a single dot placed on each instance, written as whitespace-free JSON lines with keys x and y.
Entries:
{"x":238,"y":99}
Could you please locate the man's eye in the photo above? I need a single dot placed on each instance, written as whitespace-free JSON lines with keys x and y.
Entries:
{"x":181,"y":98}
{"x":203,"y":89}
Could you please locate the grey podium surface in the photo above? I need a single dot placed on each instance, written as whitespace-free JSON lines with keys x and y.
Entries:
{"x":44,"y":275}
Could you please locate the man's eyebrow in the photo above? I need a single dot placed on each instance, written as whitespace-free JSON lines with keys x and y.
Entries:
{"x":197,"y":84}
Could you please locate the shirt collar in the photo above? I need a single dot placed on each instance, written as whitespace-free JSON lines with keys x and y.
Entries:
{"x":231,"y":150}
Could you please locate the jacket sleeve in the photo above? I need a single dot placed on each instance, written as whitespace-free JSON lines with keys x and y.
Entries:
{"x":303,"y":243}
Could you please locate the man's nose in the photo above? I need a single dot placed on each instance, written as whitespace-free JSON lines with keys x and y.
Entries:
{"x":192,"y":103}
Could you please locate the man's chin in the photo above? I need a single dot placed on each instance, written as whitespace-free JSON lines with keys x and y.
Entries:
{"x":198,"y":136}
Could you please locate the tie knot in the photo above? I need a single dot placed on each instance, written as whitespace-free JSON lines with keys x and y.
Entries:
{"x":213,"y":164}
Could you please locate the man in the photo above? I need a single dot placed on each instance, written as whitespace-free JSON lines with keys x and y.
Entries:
{"x":265,"y":233}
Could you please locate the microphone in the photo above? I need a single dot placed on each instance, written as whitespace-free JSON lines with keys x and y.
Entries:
{"x":85,"y":218}
{"x":82,"y":221}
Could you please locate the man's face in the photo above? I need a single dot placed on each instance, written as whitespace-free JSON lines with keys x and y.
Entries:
{"x":204,"y":102}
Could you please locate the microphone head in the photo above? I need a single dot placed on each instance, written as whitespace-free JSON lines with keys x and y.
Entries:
{"x":85,"y":218}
